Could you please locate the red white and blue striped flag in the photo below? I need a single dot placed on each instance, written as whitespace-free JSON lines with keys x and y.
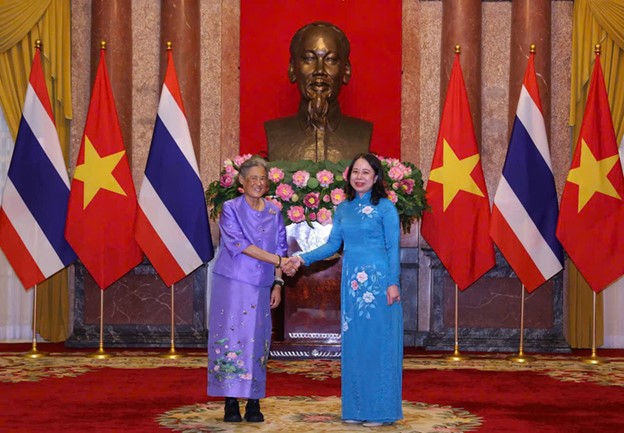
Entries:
{"x":172,"y":222}
{"x":525,"y":211}
{"x":34,"y":203}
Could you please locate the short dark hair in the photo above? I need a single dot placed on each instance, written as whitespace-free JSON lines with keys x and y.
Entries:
{"x":378,"y":190}
{"x":343,"y":41}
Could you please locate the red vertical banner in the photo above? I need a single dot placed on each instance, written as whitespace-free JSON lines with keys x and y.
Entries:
{"x":374,"y":91}
{"x":457,"y":226}
{"x":102,"y":200}
{"x":592,"y":208}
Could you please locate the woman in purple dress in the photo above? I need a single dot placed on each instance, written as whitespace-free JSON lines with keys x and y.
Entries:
{"x":246,"y":286}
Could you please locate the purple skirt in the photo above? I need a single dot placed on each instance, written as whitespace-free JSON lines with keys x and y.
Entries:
{"x":239,"y":337}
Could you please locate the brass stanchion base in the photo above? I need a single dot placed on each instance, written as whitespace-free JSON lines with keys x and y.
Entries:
{"x":594,"y":360}
{"x":172,"y":354}
{"x":456,"y":357}
{"x":100,"y":354}
{"x":520,"y":358}
{"x":34,"y":354}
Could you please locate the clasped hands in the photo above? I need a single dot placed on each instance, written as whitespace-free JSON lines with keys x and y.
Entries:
{"x":290,"y":265}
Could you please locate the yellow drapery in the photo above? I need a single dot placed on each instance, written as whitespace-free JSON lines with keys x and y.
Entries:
{"x":595,"y":21}
{"x":23,"y":22}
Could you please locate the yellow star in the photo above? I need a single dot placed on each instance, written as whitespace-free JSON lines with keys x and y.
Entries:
{"x":591,"y":176}
{"x":454,"y":174}
{"x":97,"y":172}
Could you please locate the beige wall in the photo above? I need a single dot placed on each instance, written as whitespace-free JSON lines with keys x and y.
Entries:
{"x":421,"y":82}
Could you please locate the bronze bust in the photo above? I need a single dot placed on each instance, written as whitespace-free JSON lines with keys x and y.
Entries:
{"x":319,"y":64}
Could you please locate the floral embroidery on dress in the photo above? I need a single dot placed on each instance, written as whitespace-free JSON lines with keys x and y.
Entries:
{"x":262,"y":361}
{"x":367,"y":211}
{"x":364,"y":282}
{"x":229,"y":365}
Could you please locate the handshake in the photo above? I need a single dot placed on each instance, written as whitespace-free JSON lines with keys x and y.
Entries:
{"x":290,"y":265}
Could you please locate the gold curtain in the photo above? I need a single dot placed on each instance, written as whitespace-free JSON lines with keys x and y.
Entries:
{"x":595,"y":21}
{"x":23,"y":22}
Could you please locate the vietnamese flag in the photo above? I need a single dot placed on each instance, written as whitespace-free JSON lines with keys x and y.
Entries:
{"x":591,"y":215}
{"x":457,"y":226}
{"x":102,"y":201}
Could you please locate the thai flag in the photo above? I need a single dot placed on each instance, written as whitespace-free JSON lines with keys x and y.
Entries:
{"x":525,"y":211}
{"x":34,"y":203}
{"x":172,"y":221}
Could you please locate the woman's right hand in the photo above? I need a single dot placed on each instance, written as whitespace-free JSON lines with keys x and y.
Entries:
{"x":290,"y":265}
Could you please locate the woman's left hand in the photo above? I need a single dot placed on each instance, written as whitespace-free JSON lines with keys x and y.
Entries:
{"x":276,"y":296}
{"x":393,"y":295}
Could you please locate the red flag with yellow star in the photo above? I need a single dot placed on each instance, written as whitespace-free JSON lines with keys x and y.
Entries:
{"x":102,"y":201}
{"x":591,"y":215}
{"x":457,"y":226}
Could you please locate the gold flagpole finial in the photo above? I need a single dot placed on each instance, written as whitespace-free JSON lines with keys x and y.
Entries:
{"x":103,"y":45}
{"x":457,"y":49}
{"x":38,"y":44}
{"x":532,"y":49}
{"x":597,"y":49}
{"x":169,"y":45}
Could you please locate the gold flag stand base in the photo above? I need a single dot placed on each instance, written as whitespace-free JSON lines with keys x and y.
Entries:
{"x":456,"y":357}
{"x":594,"y":360}
{"x":521,"y":358}
{"x":172,"y":354}
{"x":101,"y":354}
{"x":34,"y":354}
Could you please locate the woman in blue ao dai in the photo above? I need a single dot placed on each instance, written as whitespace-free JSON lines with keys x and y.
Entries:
{"x":367,"y":225}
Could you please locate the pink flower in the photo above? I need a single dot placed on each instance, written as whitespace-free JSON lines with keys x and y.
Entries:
{"x":284,"y":191}
{"x":277,"y":203}
{"x":296,"y":214}
{"x":325,"y":178}
{"x":312,"y":216}
{"x":326,"y":198}
{"x":276,"y":175}
{"x":231,"y":355}
{"x":354,"y":285}
{"x":392,"y":196}
{"x":226,"y":181}
{"x":396,"y":172}
{"x":229,"y":169}
{"x":324,"y":216}
{"x":407,"y":185}
{"x":312,"y":200}
{"x":300,"y":178}
{"x":345,"y":173}
{"x":337,"y":196}
{"x":238,"y":160}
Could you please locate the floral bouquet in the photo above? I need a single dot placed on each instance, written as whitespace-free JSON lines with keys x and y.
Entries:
{"x":310,"y":191}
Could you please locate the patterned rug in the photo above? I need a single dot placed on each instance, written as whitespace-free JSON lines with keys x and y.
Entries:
{"x":287,"y":408}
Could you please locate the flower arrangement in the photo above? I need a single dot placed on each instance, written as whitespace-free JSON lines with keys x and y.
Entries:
{"x":309,"y":191}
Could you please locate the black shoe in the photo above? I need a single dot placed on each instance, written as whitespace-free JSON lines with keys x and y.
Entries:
{"x":232,"y":411}
{"x":252,"y":411}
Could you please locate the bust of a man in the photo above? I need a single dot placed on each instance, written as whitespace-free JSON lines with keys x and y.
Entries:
{"x":319,"y":65}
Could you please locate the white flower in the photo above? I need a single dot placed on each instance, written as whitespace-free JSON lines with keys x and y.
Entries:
{"x":362,"y":276}
{"x":368,"y":297}
{"x":367,"y":210}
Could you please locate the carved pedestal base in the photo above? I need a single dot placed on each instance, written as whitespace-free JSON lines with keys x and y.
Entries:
{"x":137,"y":310}
{"x":489,"y":313}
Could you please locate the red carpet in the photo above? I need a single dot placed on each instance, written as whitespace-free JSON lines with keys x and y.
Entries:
{"x":139,"y":392}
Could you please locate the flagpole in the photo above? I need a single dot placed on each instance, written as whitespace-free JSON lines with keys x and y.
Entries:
{"x":521,"y":357}
{"x":172,"y":354}
{"x":594,"y":359}
{"x":34,"y":353}
{"x":100,"y":353}
{"x":456,"y":356}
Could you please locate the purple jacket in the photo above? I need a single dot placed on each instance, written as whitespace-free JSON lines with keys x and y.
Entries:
{"x":242,"y":226}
